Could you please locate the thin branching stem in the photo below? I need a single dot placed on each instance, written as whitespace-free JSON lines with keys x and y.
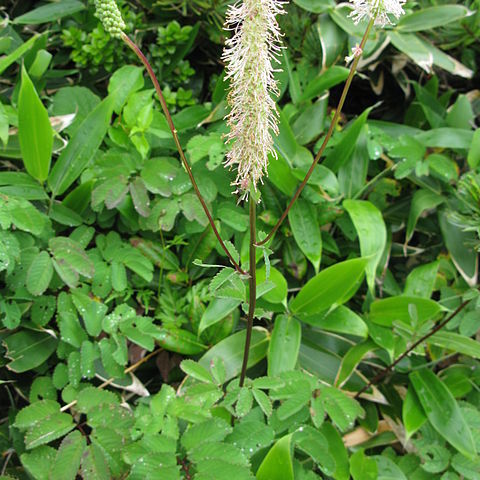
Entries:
{"x":171,"y":125}
{"x":252,"y":285}
{"x":333,"y":124}
{"x":383,"y":373}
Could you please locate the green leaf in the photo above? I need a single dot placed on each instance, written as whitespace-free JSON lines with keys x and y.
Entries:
{"x":334,"y":285}
{"x":284,"y":345}
{"x":69,"y":251}
{"x":422,"y":201}
{"x":213,"y":430}
{"x":196,"y":371}
{"x":39,"y":274}
{"x":303,"y":221}
{"x":81,"y":148}
{"x":90,"y":398}
{"x":277,"y":465}
{"x":231,"y":351}
{"x":34,"y":131}
{"x":315,"y":445}
{"x":218,"y":451}
{"x":363,"y":467}
{"x":219,"y":469}
{"x":351,"y":359}
{"x":70,"y":329}
{"x":24,"y":215}
{"x":372,"y":234}
{"x":421,"y":280}
{"x":28,"y":349}
{"x":337,"y":450}
{"x":69,"y":456}
{"x":50,"y":13}
{"x":342,"y":409}
{"x":339,"y":320}
{"x":474,"y":151}
{"x":37,"y":462}
{"x":12,"y":315}
{"x":409,"y":310}
{"x":456,"y":343}
{"x":431,"y":17}
{"x":411,"y":45}
{"x":388,"y":470}
{"x":263,"y":401}
{"x":446,"y":138}
{"x":279,"y":293}
{"x":49,"y":429}
{"x":125,"y":81}
{"x":34,"y":413}
{"x":251,"y":436}
{"x":7,"y":60}
{"x":315,"y":6}
{"x":460,"y":245}
{"x":91,"y":311}
{"x":443,"y":411}
{"x":244,"y":402}
{"x":343,"y":150}
{"x":139,"y":195}
{"x":217,"y":310}
{"x":465,"y":467}
{"x":180,"y":341}
{"x":311,"y":122}
{"x":323,"y":82}
{"x":94,"y":464}
{"x":413,"y":415}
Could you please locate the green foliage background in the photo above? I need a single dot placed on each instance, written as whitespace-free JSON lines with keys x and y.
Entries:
{"x":122,"y":324}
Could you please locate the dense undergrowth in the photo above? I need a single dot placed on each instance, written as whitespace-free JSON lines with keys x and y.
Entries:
{"x":122,"y":321}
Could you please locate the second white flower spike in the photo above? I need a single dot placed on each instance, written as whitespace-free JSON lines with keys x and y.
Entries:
{"x":378,"y":9}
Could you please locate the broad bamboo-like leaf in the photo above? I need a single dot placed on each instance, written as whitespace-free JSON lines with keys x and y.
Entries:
{"x":306,"y":231}
{"x":333,"y":286}
{"x":284,"y":345}
{"x":443,"y":411}
{"x":34,"y":130}
{"x":277,"y":465}
{"x":231,"y":351}
{"x":372,"y":234}
{"x":81,"y":148}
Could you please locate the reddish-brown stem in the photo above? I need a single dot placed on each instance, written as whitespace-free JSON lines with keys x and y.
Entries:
{"x":333,"y":124}
{"x":253,"y":287}
{"x":383,"y":373}
{"x":188,"y":169}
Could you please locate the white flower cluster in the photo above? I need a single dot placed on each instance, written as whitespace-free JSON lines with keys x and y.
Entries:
{"x":378,"y":9}
{"x":253,"y":117}
{"x":109,"y":14}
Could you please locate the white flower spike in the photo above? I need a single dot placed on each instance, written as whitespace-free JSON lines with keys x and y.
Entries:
{"x":378,"y":9}
{"x":253,"y":117}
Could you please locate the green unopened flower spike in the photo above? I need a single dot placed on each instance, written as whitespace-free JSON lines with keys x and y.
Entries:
{"x":109,"y":14}
{"x":253,"y":117}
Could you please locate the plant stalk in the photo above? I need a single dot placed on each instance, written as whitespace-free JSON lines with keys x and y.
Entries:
{"x":252,"y":285}
{"x":383,"y":373}
{"x":333,"y":124}
{"x":163,"y":103}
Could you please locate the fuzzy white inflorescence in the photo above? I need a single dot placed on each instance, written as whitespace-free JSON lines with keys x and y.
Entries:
{"x":378,"y":9}
{"x":253,"y":117}
{"x":109,"y":14}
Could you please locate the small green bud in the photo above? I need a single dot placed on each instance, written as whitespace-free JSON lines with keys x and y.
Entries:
{"x":109,"y":14}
